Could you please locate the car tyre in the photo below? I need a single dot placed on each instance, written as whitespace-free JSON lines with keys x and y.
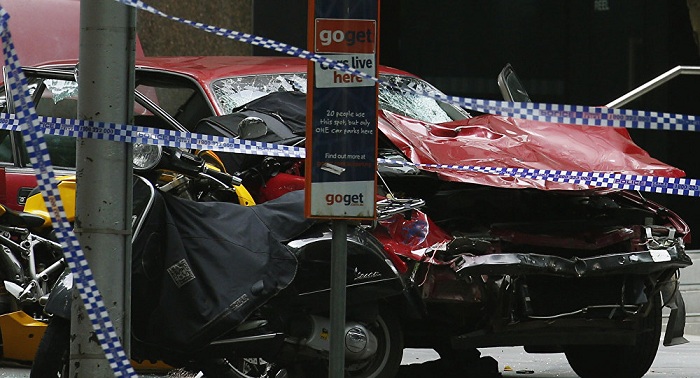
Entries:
{"x":622,"y":361}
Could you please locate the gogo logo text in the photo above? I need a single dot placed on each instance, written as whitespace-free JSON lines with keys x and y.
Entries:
{"x":345,"y":36}
{"x":346,"y":199}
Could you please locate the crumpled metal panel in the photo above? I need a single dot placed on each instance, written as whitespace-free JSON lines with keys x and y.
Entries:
{"x":496,"y":141}
{"x":643,"y":262}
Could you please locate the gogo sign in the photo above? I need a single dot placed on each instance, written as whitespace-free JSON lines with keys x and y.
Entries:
{"x":345,"y":36}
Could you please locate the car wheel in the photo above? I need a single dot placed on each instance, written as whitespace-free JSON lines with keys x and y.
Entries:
{"x":623,"y":361}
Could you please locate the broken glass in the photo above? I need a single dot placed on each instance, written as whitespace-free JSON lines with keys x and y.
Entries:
{"x":61,"y":89}
{"x":233,"y":92}
{"x":401,"y":96}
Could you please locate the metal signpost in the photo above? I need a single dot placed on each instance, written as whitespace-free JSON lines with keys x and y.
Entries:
{"x":341,"y":134}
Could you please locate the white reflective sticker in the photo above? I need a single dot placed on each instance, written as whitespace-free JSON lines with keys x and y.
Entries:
{"x":660,"y":255}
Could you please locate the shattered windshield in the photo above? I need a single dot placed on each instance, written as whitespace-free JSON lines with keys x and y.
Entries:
{"x":401,"y":97}
{"x":61,"y":89}
{"x":234,"y":92}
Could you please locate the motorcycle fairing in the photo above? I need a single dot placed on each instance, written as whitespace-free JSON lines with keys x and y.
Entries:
{"x":370,"y":275}
{"x":218,"y":263}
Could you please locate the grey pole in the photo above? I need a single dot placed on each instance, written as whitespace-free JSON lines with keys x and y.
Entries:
{"x":103,"y":202}
{"x":339,"y":262}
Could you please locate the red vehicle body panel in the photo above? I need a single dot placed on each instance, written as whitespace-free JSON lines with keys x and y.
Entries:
{"x":46,"y":30}
{"x":494,"y":141}
{"x":16,"y":186}
{"x":42,"y":31}
{"x":485,"y":140}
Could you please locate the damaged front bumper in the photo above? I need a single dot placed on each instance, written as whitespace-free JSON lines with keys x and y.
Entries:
{"x":661,"y":264}
{"x":642,"y":262}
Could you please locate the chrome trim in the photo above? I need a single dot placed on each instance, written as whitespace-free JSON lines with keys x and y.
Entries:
{"x":146,"y":210}
{"x":351,"y":285}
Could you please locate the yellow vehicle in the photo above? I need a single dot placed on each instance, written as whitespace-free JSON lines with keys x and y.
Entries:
{"x":33,"y":261}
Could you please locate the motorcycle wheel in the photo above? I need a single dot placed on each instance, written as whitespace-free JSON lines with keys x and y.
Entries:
{"x":623,"y":361}
{"x":51,"y":359}
{"x":384,"y":363}
{"x":222,"y":368}
{"x":250,"y":367}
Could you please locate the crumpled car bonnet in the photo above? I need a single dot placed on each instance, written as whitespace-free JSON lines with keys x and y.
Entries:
{"x":495,"y":141}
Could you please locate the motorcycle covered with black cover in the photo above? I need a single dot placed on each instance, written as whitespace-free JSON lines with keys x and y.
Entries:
{"x":215,"y":283}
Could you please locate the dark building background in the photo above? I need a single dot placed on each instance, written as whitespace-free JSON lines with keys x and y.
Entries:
{"x":585,"y":52}
{"x":160,"y":36}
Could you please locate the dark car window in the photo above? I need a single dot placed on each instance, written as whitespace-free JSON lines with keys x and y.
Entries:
{"x":59,"y":98}
{"x":177,"y":96}
{"x":6,"y":147}
{"x":54,"y":98}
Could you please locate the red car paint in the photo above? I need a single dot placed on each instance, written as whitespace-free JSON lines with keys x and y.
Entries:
{"x":485,"y":140}
{"x":46,"y":30}
{"x":42,"y":31}
{"x":495,"y":141}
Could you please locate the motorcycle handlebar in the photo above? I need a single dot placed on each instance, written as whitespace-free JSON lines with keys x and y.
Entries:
{"x":227,"y":179}
{"x":193,"y":165}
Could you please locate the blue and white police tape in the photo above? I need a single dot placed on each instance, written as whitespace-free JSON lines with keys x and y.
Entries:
{"x":571,"y":114}
{"x":148,"y":135}
{"x":139,"y":134}
{"x":34,"y":139}
{"x":651,"y":184}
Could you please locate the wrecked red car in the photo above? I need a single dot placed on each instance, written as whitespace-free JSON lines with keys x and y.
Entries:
{"x":488,"y":260}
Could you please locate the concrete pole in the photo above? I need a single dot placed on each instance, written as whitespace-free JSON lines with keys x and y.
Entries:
{"x":103,"y":202}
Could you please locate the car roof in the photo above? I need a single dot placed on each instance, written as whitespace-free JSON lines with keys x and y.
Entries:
{"x":208,"y":68}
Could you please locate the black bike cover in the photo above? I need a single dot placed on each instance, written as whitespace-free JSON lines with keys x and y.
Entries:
{"x":220,"y":262}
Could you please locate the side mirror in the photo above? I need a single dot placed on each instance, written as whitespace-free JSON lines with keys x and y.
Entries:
{"x":251,"y":128}
{"x":511,"y":87}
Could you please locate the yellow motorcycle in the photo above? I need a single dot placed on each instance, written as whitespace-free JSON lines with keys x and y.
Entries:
{"x":32,"y":261}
